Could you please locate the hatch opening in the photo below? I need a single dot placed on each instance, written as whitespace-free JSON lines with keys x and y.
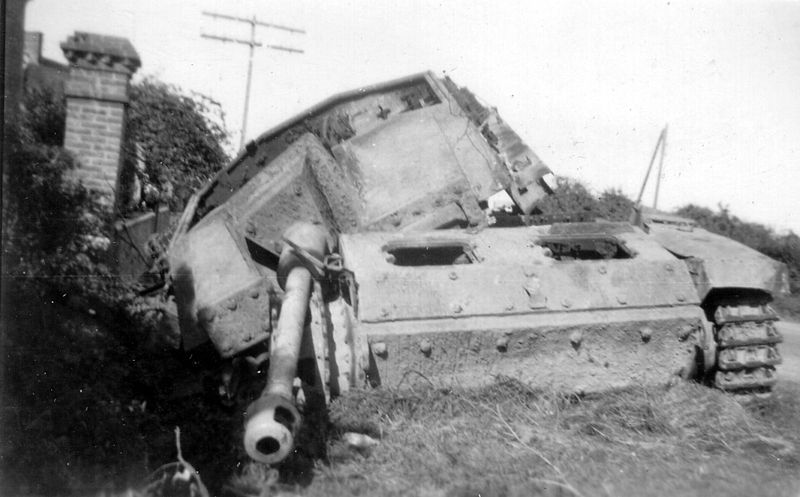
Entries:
{"x":430,"y":254}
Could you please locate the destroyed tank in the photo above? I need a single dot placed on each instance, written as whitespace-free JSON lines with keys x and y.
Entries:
{"x":349,"y":247}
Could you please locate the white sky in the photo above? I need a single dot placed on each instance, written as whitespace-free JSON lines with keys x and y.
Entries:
{"x":588,"y":85}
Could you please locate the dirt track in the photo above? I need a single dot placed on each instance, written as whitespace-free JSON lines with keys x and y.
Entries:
{"x":790,"y":350}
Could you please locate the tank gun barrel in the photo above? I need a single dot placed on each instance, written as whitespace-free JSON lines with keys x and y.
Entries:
{"x":272,"y":420}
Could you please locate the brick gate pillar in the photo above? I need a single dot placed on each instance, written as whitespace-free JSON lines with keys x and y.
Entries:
{"x":97,"y":96}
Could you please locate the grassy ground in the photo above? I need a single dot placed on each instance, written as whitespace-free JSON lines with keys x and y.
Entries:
{"x":93,"y":412}
{"x":90,"y":407}
{"x":508,"y":440}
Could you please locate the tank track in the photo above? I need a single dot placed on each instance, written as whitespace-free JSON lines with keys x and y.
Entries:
{"x":747,"y":350}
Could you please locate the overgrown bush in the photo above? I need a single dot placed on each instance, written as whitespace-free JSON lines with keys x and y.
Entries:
{"x":572,"y":201}
{"x":180,"y":140}
{"x":44,"y":117}
{"x":54,"y":229}
{"x":615,"y":205}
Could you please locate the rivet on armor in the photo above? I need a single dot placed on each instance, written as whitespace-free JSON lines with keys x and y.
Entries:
{"x":566,"y":303}
{"x":602,"y":270}
{"x":231,"y":305}
{"x":529,"y":272}
{"x":453,"y":275}
{"x":390,"y":258}
{"x":380,"y":349}
{"x":251,"y":228}
{"x":622,"y":299}
{"x":384,"y":312}
{"x":456,"y":308}
{"x":502,"y":344}
{"x":646,"y":334}
{"x":575,"y":338}
{"x":425,"y":346}
{"x":509,"y":307}
{"x":254,"y":293}
{"x":669,"y":267}
{"x":680,"y":297}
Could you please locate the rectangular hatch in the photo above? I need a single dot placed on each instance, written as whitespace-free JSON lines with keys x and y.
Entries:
{"x":429,"y":253}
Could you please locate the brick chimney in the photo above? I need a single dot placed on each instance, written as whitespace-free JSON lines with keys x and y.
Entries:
{"x":97,"y":96}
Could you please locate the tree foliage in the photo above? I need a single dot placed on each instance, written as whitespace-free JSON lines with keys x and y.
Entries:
{"x":180,"y":139}
{"x":572,"y":201}
{"x":44,"y":117}
{"x":615,"y":205}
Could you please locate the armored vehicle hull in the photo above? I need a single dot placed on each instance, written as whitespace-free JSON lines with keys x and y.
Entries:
{"x":350,"y":247}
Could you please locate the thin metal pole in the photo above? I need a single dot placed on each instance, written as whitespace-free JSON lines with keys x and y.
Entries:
{"x":660,"y":166}
{"x":249,"y":77}
{"x":650,"y":167}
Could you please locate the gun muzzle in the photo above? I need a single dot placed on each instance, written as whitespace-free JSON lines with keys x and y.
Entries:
{"x":272,"y":422}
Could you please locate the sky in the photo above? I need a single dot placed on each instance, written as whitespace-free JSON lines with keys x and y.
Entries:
{"x":588,"y":85}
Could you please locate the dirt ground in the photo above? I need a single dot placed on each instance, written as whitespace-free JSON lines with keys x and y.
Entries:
{"x":98,"y":420}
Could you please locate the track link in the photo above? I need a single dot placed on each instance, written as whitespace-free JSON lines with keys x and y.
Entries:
{"x":747,"y":350}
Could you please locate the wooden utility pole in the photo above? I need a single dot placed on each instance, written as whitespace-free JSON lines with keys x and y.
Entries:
{"x":252,"y":43}
{"x":660,"y":166}
{"x":661,"y":145}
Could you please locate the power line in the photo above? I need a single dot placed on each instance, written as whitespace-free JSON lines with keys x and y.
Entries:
{"x":253,"y":20}
{"x":252,"y":44}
